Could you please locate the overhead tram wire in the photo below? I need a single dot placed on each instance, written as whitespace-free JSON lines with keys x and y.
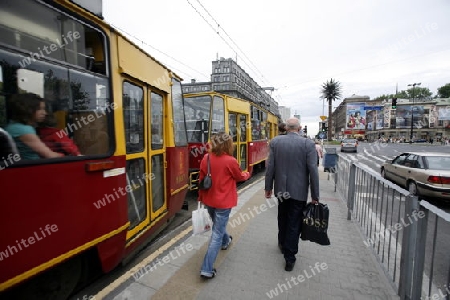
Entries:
{"x":258,"y":73}
{"x":163,"y":53}
{"x":237,"y":46}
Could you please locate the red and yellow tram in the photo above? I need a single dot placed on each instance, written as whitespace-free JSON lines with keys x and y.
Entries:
{"x":62,"y":217}
{"x":250,"y":125}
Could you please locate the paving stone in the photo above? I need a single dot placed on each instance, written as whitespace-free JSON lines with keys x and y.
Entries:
{"x":253,"y":267}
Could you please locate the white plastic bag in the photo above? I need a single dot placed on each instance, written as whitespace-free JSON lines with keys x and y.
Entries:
{"x":201,"y":221}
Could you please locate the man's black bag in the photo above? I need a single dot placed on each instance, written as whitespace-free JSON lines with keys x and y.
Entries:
{"x":315,"y":224}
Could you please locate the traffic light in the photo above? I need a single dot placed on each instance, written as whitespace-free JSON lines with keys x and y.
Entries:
{"x":324,"y":128}
{"x":306,"y":129}
{"x":394,"y":103}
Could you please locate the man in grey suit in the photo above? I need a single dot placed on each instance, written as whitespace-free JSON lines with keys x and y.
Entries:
{"x":292,"y":166}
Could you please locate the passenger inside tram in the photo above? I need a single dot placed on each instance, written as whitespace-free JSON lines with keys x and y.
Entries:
{"x":56,"y":139}
{"x":201,"y":129}
{"x":26,"y":111}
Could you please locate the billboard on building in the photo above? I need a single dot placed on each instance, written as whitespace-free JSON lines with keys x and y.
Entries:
{"x":443,"y":113}
{"x":379,"y":119}
{"x":371,"y":117}
{"x":355,"y":116}
{"x":387,"y":116}
{"x":404,"y":113}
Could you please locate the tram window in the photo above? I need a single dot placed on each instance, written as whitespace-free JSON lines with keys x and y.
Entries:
{"x":133,"y":117}
{"x":48,"y":34}
{"x":89,"y":112}
{"x":156,"y":122}
{"x":77,"y":101}
{"x":233,"y":127}
{"x":256,"y":130}
{"x":157,"y":182}
{"x":178,"y":114}
{"x":264,"y":125}
{"x":218,"y":118}
{"x":269,"y":130}
{"x":197,"y":118}
{"x":136,"y":179}
{"x":243,"y":154}
{"x":243,"y":128}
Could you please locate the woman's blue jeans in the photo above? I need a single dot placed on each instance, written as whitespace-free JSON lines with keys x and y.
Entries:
{"x":219,"y":238}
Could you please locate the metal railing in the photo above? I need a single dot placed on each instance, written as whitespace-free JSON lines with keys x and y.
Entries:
{"x":395,"y":226}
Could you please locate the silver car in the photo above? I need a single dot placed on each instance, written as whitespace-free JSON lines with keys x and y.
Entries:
{"x":425,"y":174}
{"x":349,"y":145}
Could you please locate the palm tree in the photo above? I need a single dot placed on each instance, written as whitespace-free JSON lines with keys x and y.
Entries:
{"x":331,"y":90}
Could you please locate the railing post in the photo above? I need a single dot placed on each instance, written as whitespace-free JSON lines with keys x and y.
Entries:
{"x":419,"y":259}
{"x":351,"y":191}
{"x":336,"y":173}
{"x":413,"y":250}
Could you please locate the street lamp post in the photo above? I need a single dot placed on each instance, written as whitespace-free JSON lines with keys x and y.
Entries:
{"x":412,"y":112}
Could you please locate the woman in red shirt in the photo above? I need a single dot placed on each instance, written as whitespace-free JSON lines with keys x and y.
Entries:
{"x":221,"y":197}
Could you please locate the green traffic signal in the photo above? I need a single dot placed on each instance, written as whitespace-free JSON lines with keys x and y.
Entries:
{"x":394,"y":103}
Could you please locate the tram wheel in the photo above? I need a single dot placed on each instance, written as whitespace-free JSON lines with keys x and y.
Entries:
{"x":54,"y":284}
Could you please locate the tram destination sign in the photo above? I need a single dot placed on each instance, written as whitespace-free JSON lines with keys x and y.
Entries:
{"x":373,"y":107}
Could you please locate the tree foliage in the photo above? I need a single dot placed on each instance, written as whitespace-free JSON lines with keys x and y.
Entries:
{"x":331,"y":90}
{"x":416,"y":93}
{"x":444,"y":91}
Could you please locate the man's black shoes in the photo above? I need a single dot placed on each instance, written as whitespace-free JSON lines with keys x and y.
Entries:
{"x":289,"y":266}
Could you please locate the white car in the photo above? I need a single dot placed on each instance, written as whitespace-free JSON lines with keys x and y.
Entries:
{"x":425,"y":174}
{"x":349,"y":145}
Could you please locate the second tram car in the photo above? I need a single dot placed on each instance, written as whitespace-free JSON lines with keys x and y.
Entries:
{"x":250,"y":126}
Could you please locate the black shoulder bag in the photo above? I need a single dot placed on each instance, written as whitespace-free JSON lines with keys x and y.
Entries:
{"x":206,"y":183}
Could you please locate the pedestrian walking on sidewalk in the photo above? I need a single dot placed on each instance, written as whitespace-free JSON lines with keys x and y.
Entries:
{"x":319,"y":152}
{"x":291,"y":170}
{"x":221,"y":197}
{"x":282,"y":128}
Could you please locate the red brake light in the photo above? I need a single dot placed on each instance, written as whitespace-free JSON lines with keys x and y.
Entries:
{"x":434,"y":179}
{"x":445,"y":180}
{"x":439,"y":179}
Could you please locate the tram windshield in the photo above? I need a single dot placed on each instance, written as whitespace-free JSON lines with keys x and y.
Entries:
{"x":197,"y":110}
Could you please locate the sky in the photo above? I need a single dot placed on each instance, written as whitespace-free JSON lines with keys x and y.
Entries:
{"x":370,"y":47}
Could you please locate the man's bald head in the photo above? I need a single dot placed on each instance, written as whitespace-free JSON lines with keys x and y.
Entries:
{"x":293,"y":124}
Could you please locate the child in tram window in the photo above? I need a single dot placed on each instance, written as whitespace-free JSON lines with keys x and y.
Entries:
{"x":56,"y":139}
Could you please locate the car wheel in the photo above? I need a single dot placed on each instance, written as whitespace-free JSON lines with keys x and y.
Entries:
{"x":383,"y":173}
{"x":412,"y":188}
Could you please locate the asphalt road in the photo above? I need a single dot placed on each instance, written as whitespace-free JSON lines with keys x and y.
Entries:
{"x":437,"y":262}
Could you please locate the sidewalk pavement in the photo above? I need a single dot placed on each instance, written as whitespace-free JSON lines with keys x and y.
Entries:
{"x":253,"y":267}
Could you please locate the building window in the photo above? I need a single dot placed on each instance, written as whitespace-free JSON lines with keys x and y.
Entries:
{"x":226,"y":70}
{"x":217,"y":79}
{"x":226,"y":78}
{"x":217,"y":70}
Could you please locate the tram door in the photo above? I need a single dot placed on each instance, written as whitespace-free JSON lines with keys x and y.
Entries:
{"x":144,"y":132}
{"x":238,"y":130}
{"x":157,"y":155}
